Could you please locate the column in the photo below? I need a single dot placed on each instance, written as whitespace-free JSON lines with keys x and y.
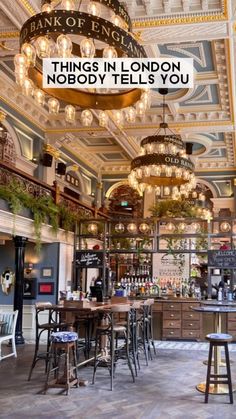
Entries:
{"x":20,"y":243}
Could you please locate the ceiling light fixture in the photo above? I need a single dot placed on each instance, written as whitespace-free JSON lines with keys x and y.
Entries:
{"x":163,"y":164}
{"x":63,"y":29}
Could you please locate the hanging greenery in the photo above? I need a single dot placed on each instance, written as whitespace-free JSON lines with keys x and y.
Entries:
{"x":174,"y":208}
{"x":43,"y":209}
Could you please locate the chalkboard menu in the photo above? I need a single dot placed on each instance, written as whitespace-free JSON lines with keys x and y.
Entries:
{"x":89,"y":259}
{"x":225,"y":259}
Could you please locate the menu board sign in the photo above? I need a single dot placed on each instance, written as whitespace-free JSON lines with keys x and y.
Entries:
{"x":89,"y":259}
{"x":222,"y":259}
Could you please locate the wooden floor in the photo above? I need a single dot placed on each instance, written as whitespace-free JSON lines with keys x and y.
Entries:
{"x":165,"y":389}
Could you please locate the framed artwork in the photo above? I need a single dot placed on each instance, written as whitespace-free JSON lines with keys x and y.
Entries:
{"x":47,"y":272}
{"x":29,"y":292}
{"x":46,"y":288}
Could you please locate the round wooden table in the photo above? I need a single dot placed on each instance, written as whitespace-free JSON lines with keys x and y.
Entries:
{"x":217,"y":310}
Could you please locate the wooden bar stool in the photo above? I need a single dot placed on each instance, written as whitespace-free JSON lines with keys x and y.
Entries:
{"x":217,"y":340}
{"x":63,"y":344}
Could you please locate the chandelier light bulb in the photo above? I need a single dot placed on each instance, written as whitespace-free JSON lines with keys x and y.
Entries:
{"x":202,"y":197}
{"x":28,"y":87}
{"x":68,"y":5}
{"x":117,"y":21}
{"x":157,"y":190}
{"x":109,"y":52}
{"x":118,"y":116}
{"x":70,"y":113}
{"x":140,"y":108}
{"x":145,"y":98}
{"x":166,"y":190}
{"x":39,"y":96}
{"x":53,"y":105}
{"x":141,"y":187}
{"x":94,"y":9}
{"x":87,"y":48}
{"x":64,"y":46}
{"x":29,"y":51}
{"x":194,"y":194}
{"x":86,"y":118}
{"x":47,"y":7}
{"x":20,"y":61}
{"x":43,"y":47}
{"x":149,"y":189}
{"x":150,"y":148}
{"x":103,"y":119}
{"x":20,"y":78}
{"x":130,"y":114}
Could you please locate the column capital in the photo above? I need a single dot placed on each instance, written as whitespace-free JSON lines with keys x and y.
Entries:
{"x":20,"y":241}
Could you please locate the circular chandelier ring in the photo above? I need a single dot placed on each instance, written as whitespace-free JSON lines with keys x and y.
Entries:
{"x":167,"y":139}
{"x":115,"y":5}
{"x":77,"y":23}
{"x":86,"y":99}
{"x":80,"y":23}
{"x":152,"y":159}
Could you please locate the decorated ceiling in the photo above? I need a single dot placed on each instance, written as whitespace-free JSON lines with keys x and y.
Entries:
{"x":204,"y":30}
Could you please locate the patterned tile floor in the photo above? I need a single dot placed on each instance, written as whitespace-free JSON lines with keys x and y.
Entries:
{"x":165,"y":389}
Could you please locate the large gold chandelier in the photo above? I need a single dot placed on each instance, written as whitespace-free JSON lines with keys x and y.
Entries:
{"x":71,"y":28}
{"x":163,"y":164}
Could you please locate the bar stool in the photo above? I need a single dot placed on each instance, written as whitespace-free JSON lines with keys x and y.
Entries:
{"x":65,"y":376}
{"x":111,"y":331}
{"x":217,"y":340}
{"x":150,"y":302}
{"x":52,"y":325}
{"x":146,"y":329}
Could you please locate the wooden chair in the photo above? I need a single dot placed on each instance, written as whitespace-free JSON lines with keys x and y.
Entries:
{"x":7,"y":331}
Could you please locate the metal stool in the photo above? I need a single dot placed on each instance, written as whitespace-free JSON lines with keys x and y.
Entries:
{"x":111,"y":332}
{"x":216,"y":340}
{"x":65,"y":376}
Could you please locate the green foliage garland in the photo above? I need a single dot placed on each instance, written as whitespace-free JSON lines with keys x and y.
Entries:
{"x":43,"y":209}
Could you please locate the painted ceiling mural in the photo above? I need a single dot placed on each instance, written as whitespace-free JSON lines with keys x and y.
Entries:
{"x":203,"y":30}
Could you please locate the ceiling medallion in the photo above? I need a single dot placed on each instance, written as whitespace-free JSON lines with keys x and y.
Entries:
{"x":63,"y":31}
{"x":163,"y":164}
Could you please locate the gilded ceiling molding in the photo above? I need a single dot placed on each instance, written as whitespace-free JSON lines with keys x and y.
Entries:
{"x":82,"y":129}
{"x":8,"y":35}
{"x":19,"y":110}
{"x":48,"y":148}
{"x":230,"y":89}
{"x":182,"y":125}
{"x":179,"y":20}
{"x":28,"y":7}
{"x":2,"y":116}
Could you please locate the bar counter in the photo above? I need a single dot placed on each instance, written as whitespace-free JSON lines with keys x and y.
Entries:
{"x":173,"y":318}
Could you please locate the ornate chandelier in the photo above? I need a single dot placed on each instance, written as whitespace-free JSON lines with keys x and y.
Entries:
{"x":65,"y":29}
{"x":163,"y":164}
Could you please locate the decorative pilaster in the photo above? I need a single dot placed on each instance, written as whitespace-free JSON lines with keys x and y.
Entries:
{"x":20,"y":243}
